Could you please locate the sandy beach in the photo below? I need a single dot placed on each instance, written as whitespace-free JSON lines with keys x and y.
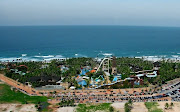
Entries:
{"x":17,"y":108}
{"x":66,"y":109}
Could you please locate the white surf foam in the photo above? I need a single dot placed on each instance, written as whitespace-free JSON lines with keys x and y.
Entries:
{"x":152,"y":58}
{"x":24,"y":55}
{"x":80,"y":55}
{"x":30,"y":59}
{"x":161,"y":57}
{"x":175,"y":56}
{"x":20,"y":59}
{"x":107,"y":54}
{"x":9,"y":59}
{"x":48,"y":56}
{"x":138,"y":57}
{"x":55,"y":57}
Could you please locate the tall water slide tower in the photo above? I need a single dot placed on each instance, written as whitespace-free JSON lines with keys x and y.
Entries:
{"x":105,"y":65}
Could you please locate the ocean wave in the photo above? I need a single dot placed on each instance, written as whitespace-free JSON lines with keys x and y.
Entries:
{"x":24,"y":55}
{"x":15,"y":59}
{"x":107,"y":54}
{"x":79,"y":55}
{"x":30,"y":59}
{"x":52,"y":57}
{"x":155,"y":56}
{"x":59,"y":56}
{"x":138,"y":57}
{"x":175,"y":56}
{"x":9,"y":59}
{"x":48,"y":56}
{"x":152,"y":58}
{"x":161,"y":57}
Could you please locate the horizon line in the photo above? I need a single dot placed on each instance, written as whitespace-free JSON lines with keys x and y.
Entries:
{"x":91,"y":25}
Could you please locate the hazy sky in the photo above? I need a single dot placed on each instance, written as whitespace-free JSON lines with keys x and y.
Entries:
{"x":90,"y":12}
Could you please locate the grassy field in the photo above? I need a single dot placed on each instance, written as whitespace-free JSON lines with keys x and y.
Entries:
{"x":104,"y":107}
{"x":152,"y":107}
{"x":9,"y":96}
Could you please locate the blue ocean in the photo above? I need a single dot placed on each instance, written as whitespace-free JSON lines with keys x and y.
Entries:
{"x":51,"y":42}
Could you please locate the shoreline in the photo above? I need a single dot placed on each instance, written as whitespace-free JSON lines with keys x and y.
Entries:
{"x":48,"y":58}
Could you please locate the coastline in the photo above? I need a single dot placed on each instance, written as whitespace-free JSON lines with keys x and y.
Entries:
{"x":48,"y":58}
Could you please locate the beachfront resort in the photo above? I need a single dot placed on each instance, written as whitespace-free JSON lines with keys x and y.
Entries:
{"x":73,"y":81}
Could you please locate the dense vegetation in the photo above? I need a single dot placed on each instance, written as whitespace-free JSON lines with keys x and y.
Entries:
{"x":128,"y":106}
{"x":51,"y":69}
{"x":105,"y":107}
{"x":125,"y":66}
{"x":65,"y":103}
{"x":167,"y":72}
{"x":152,"y":107}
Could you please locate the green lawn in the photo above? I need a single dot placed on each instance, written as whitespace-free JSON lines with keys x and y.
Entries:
{"x":152,"y":107}
{"x":9,"y":96}
{"x":92,"y":108}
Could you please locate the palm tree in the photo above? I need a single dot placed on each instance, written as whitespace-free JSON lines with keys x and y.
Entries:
{"x":111,"y":109}
{"x":166,"y":106}
{"x":171,"y":105}
{"x":130,"y":102}
{"x":142,"y":90}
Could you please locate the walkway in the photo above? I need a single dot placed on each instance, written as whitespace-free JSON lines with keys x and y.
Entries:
{"x":23,"y":88}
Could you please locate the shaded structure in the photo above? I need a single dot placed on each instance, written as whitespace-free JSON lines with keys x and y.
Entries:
{"x":45,"y":80}
{"x":157,"y":66}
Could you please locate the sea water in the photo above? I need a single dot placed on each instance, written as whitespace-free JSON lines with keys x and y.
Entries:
{"x":51,"y":42}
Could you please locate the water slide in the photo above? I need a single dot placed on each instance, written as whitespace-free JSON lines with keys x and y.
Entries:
{"x":154,"y":74}
{"x":98,"y":80}
{"x":115,"y":79}
{"x":150,"y":75}
{"x":140,"y":75}
{"x":101,"y":64}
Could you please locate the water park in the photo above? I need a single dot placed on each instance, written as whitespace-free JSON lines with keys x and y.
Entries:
{"x":91,"y":73}
{"x":102,"y":78}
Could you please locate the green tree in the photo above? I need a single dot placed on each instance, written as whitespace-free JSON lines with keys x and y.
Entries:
{"x":127,"y":108}
{"x":130,"y":102}
{"x":171,"y":105}
{"x":111,"y":109}
{"x":166,"y":106}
